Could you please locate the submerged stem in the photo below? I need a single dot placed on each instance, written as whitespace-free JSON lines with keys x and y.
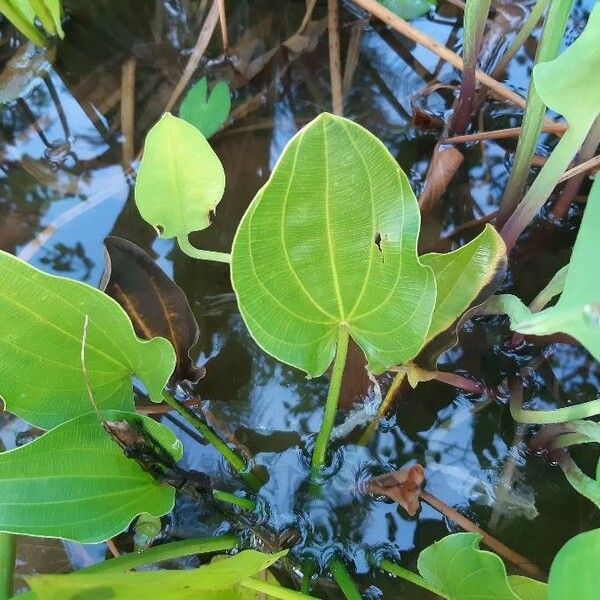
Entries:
{"x":236,"y":461}
{"x":343,"y":579}
{"x":8,"y":550}
{"x":394,"y":569}
{"x":228,"y":498}
{"x":187,"y":248}
{"x":318,"y":457}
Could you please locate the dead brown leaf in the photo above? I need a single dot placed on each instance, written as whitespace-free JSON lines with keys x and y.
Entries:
{"x":401,"y":486}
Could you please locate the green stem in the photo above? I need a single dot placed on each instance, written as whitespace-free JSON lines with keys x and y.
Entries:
{"x":532,"y":20}
{"x":187,"y":248}
{"x":343,"y":579}
{"x":558,"y":415}
{"x":236,"y":461}
{"x":308,"y":570}
{"x":544,"y":183}
{"x":244,"y":503}
{"x":320,"y":451}
{"x":8,"y":551}
{"x":549,"y":46}
{"x":274,"y":591}
{"x":399,"y":571}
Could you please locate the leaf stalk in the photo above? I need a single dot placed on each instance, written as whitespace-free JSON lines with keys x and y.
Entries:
{"x":187,"y":248}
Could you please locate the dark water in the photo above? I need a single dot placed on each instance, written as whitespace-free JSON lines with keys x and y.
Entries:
{"x":61,"y":150}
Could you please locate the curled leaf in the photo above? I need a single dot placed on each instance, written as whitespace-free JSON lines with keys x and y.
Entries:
{"x":401,"y":486}
{"x":155,"y":304}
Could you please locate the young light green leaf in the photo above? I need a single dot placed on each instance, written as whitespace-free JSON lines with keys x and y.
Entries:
{"x":462,"y":274}
{"x":528,"y":589}
{"x":41,"y":328}
{"x":461,"y":571}
{"x":219,"y":580}
{"x":180,"y":180}
{"x":206,"y":112}
{"x":577,"y":312}
{"x":96,"y":491}
{"x":330,"y":242}
{"x":409,"y":9}
{"x":22,"y":17}
{"x":563,"y":84}
{"x":48,"y":12}
{"x":574,"y":570}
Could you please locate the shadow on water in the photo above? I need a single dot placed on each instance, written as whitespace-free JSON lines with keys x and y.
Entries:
{"x":61,"y":148}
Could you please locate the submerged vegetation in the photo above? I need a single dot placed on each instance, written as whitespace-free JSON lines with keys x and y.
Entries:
{"x":335,"y":274}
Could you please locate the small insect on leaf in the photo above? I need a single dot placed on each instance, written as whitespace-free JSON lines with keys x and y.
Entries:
{"x":155,"y":304}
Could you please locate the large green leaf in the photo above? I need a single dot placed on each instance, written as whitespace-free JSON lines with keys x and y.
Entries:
{"x":180,"y":180}
{"x":74,"y":482}
{"x":41,"y":328}
{"x":219,"y":580}
{"x":329,"y":242}
{"x":461,"y":275}
{"x":206,"y":112}
{"x":461,"y":571}
{"x":574,"y":571}
{"x":577,"y":312}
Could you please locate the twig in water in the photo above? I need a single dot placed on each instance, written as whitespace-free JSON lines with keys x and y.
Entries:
{"x":128,"y":111}
{"x":352,"y":55}
{"x":204,"y":36}
{"x":501,"y":134}
{"x":223,"y":24}
{"x":402,"y":27}
{"x":491,"y":542}
{"x":335,"y":75}
{"x":310,"y":7}
{"x":110,"y":544}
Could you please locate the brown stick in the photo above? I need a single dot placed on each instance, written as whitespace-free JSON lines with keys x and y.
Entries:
{"x":402,"y":27}
{"x":223,"y":24}
{"x":501,"y":134}
{"x":204,"y":36}
{"x":352,"y":55}
{"x":128,"y":111}
{"x":491,"y":542}
{"x":113,"y":548}
{"x":335,"y":73}
{"x":584,"y":167}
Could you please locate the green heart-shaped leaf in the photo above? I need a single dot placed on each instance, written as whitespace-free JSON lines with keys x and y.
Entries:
{"x":574,"y":571}
{"x":206,"y":112}
{"x":41,"y":328}
{"x":95,"y":490}
{"x":180,"y":180}
{"x":461,"y":571}
{"x":331,"y":241}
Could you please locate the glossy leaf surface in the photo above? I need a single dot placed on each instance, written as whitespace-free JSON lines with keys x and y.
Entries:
{"x":74,"y":482}
{"x":155,"y":304}
{"x":574,"y":571}
{"x":219,"y":580}
{"x":41,"y":328}
{"x":462,"y":274}
{"x":330,"y":241}
{"x":207,"y":112}
{"x":409,"y":9}
{"x":180,"y":180}
{"x":577,"y":312}
{"x":461,"y":571}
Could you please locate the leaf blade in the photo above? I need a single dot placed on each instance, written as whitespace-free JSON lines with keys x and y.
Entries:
{"x":305,"y":259}
{"x":40,"y":337}
{"x":96,"y":491}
